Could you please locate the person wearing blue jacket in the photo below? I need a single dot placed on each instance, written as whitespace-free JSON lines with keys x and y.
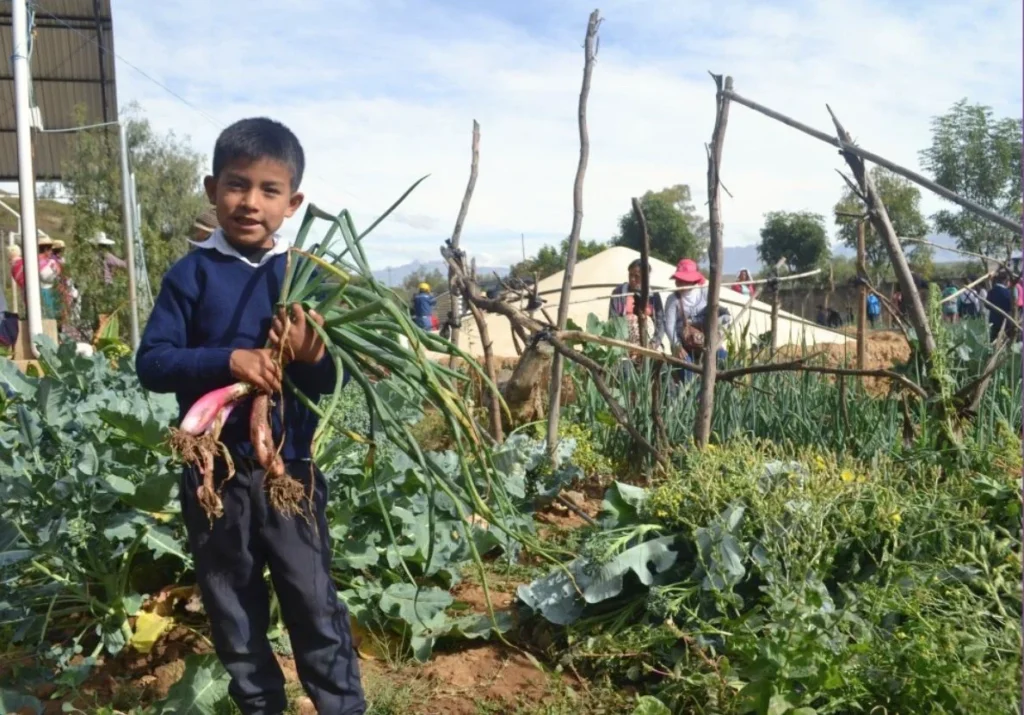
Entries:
{"x":210,"y":327}
{"x":423,"y":304}
{"x":874,"y":309}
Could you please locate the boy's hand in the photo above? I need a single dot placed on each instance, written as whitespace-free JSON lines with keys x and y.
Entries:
{"x":301,"y":343}
{"x":258,"y":368}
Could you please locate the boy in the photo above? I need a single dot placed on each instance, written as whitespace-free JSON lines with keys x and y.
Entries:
{"x":214,"y":314}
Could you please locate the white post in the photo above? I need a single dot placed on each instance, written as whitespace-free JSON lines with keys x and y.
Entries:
{"x":26,"y":172}
{"x":129,"y":235}
{"x":147,"y":291}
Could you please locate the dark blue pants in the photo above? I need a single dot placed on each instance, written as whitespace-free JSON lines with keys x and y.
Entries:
{"x":229,"y":560}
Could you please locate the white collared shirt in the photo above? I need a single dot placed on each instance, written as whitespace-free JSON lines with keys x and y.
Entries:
{"x":219,"y":242}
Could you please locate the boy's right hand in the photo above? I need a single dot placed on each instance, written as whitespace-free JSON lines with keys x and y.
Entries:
{"x":258,"y":368}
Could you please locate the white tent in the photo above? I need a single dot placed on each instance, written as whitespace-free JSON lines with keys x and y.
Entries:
{"x":608,"y":269}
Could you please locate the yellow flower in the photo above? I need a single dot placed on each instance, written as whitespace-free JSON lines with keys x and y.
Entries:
{"x":847,"y":476}
{"x":895,"y":517}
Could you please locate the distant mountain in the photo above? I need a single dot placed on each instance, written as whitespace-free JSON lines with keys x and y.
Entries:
{"x":736,"y":258}
{"x":394,"y":275}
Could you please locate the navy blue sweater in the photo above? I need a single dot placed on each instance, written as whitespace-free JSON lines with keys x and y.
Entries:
{"x":211,"y":304}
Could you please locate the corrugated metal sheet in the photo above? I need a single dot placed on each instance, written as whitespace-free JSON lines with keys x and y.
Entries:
{"x":72,"y":65}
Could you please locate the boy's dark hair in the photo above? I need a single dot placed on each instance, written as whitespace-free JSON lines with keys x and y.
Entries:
{"x":260,"y":138}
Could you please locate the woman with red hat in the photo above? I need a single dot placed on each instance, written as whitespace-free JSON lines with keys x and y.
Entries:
{"x":684,"y":313}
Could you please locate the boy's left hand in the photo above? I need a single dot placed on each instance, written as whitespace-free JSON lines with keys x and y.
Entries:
{"x":301,"y":342}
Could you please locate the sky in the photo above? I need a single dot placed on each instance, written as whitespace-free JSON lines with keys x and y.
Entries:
{"x":381,"y":92}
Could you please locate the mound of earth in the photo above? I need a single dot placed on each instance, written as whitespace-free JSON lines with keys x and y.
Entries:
{"x":885,"y":349}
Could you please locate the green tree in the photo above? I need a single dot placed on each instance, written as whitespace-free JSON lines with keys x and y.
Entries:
{"x":550,"y":260}
{"x":675,"y":229}
{"x":922,"y":261}
{"x":978,"y":157}
{"x":798,"y":236}
{"x":902,"y":202}
{"x":168,"y":175}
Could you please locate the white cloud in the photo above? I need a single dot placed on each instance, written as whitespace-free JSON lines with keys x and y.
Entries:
{"x":383,"y":92}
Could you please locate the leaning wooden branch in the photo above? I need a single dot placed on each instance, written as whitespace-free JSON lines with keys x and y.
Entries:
{"x":864,"y":154}
{"x":555,"y":390}
{"x":453,"y":309}
{"x":883,"y":227}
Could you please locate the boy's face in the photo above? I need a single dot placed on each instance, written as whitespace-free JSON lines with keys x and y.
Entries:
{"x":253,"y":198}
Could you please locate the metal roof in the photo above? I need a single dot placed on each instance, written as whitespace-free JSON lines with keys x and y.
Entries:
{"x":72,"y":64}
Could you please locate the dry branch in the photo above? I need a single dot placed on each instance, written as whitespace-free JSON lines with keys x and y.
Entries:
{"x":660,"y":435}
{"x":864,"y":154}
{"x":494,"y":399}
{"x":453,"y":311}
{"x":959,"y":251}
{"x":706,"y":399}
{"x":645,"y":272}
{"x":589,"y":56}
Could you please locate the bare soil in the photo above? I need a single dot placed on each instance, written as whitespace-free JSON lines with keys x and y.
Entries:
{"x":885,"y":348}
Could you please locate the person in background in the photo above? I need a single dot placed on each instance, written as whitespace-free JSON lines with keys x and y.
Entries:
{"x":423,"y":304}
{"x":110,"y":261}
{"x":874,"y":309}
{"x":744,"y":284}
{"x":15,"y":261}
{"x":982,"y":294}
{"x":624,"y":304}
{"x":1001,"y":300}
{"x":897,"y":301}
{"x":49,"y":275}
{"x":684,"y":313}
{"x":967,"y":303}
{"x":821,"y":317}
{"x":949,"y":308}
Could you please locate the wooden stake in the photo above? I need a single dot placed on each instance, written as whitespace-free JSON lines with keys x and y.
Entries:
{"x":645,"y":298}
{"x":555,"y":389}
{"x":706,"y":400}
{"x":775,"y":318}
{"x":645,"y":277}
{"x":453,"y":316}
{"x":862,"y":299}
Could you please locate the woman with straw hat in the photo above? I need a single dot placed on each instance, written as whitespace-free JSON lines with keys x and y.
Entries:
{"x":49,"y":274}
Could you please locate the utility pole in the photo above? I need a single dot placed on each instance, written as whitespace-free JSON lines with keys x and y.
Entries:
{"x":26,"y":170}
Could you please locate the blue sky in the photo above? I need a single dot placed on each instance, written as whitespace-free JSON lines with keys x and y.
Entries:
{"x":384,"y":91}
